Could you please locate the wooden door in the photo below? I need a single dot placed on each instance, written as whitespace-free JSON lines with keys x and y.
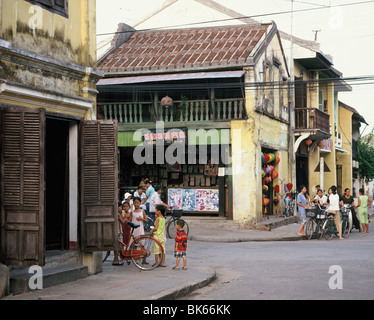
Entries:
{"x":98,"y":185}
{"x":22,"y":185}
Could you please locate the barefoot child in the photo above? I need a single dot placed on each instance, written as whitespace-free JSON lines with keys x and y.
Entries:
{"x":159,"y":233}
{"x":180,"y":245}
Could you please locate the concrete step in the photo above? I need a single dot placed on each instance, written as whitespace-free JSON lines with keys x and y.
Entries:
{"x":60,"y":267}
{"x":211,"y":222}
{"x":19,"y":283}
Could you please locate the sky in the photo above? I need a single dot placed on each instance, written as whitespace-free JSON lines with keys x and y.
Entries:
{"x":346,"y":33}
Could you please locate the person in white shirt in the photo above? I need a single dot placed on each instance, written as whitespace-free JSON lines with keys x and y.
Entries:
{"x":334,"y":208}
{"x":141,"y":194}
{"x":156,"y":200}
{"x":320,"y":198}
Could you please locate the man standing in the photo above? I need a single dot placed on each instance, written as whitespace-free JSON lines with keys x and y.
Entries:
{"x":149,"y":193}
{"x":301,"y":206}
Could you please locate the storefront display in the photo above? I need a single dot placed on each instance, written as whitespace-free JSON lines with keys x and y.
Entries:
{"x":194,"y":199}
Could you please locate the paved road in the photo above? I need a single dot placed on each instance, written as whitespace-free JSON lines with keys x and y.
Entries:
{"x":289,"y":269}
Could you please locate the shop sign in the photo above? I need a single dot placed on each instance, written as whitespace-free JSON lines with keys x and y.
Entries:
{"x":154,"y":137}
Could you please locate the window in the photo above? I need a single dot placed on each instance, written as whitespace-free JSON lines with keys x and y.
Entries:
{"x":57,"y":6}
{"x":320,"y":100}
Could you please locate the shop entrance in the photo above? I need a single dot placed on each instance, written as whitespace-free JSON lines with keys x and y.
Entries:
{"x":301,"y":172}
{"x":56,"y":184}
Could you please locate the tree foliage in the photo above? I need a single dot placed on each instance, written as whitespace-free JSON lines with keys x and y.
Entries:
{"x":365,"y":148}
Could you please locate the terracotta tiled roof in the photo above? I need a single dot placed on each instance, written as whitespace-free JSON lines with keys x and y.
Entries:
{"x":185,"y":49}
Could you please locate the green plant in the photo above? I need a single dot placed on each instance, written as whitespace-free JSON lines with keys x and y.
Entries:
{"x":365,"y":148}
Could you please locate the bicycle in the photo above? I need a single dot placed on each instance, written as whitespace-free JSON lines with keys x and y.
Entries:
{"x":329,"y":227}
{"x":174,"y":216}
{"x":140,"y":249}
{"x":315,"y":222}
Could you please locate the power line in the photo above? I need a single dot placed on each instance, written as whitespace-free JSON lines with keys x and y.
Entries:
{"x":242,"y":18}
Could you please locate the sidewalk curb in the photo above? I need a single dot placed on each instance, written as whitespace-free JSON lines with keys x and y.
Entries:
{"x":242,"y":239}
{"x":175,"y":293}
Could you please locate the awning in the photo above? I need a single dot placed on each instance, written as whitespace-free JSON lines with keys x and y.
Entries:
{"x":170,"y":77}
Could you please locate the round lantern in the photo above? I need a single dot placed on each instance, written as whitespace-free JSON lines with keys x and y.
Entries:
{"x":265,"y":188}
{"x":262,"y":158}
{"x":271,"y":168}
{"x":320,"y":144}
{"x":263,"y":173}
{"x":167,"y":101}
{"x":267,"y":170}
{"x":308,"y":142}
{"x":272,"y":157}
{"x":274,"y":175}
{"x":276,"y":201}
{"x":266,"y":158}
{"x":277,"y":159}
{"x":289,"y":186}
{"x":267,"y":179}
{"x":277,"y":188}
{"x":266,"y":201}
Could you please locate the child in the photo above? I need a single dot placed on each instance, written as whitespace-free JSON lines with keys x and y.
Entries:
{"x":124,"y":215}
{"x":139,"y":217}
{"x":180,"y":245}
{"x":159,"y":233}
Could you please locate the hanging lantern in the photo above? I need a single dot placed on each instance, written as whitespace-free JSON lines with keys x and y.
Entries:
{"x":266,"y":158}
{"x":277,"y":188}
{"x":274,"y":175}
{"x":277,"y":159}
{"x":267,"y":179}
{"x":308,"y":142}
{"x":272,"y":157}
{"x":276,"y":201}
{"x":262,"y":158}
{"x":289,"y":186}
{"x":265,"y":188}
{"x":320,"y":144}
{"x":167,"y":102}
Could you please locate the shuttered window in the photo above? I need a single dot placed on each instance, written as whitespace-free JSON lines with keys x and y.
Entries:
{"x":59,"y":6}
{"x":22,"y":185}
{"x":99,"y":183}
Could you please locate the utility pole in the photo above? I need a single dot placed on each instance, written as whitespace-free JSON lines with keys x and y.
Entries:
{"x":316,"y":34}
{"x":291,"y":151}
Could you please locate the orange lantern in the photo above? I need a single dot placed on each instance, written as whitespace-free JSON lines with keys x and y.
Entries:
{"x":308,"y":142}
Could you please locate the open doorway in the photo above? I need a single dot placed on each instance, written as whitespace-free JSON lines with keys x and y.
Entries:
{"x":57,"y":184}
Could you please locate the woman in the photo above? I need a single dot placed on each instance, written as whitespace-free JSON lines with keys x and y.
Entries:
{"x":348,"y":199}
{"x":334,"y":208}
{"x":363,"y":203}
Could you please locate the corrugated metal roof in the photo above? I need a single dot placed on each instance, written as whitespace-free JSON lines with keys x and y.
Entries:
{"x":170,"y":77}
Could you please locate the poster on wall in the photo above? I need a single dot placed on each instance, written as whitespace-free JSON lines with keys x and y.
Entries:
{"x":175,"y":198}
{"x":194,"y":199}
{"x":207,"y":200}
{"x":189,"y":200}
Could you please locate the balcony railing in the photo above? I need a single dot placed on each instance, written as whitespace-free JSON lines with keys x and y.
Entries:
{"x":312,"y":118}
{"x":182,"y":111}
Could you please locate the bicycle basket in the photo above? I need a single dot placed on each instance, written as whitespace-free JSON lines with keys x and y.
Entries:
{"x":178,"y":213}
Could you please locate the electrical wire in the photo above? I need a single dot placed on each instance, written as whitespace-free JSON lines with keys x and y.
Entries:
{"x":243,"y":17}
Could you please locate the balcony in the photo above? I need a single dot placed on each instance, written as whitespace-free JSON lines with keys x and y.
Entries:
{"x":183,"y":111}
{"x":312,"y":119}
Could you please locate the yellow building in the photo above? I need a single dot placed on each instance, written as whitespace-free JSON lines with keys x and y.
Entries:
{"x":48,"y":109}
{"x":317,"y":123}
{"x":228,"y":80}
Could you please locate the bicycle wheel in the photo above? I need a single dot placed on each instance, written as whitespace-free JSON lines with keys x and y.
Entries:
{"x":309,"y":229}
{"x":320,"y":230}
{"x":345,"y":228}
{"x":328,"y":229}
{"x":172,"y":230}
{"x":142,"y":252}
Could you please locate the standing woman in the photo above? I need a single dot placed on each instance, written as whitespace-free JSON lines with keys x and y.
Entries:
{"x":335,"y":210}
{"x":363,"y":203}
{"x":348,"y":199}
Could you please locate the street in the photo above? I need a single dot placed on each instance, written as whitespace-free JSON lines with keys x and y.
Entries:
{"x":288,"y":270}
{"x":253,"y":270}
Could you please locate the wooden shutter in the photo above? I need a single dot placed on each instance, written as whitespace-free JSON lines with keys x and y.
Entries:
{"x":22,"y":185}
{"x":98,"y":185}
